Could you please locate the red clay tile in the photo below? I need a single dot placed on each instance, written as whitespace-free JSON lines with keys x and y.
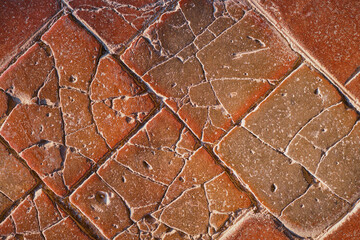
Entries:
{"x":254,"y":227}
{"x":327,"y":30}
{"x":65,"y":229}
{"x":75,"y":166}
{"x":354,"y":86}
{"x":116,"y":22}
{"x":103,"y":207}
{"x":25,"y":217}
{"x":15,"y":179}
{"x":348,"y":229}
{"x":23,"y":79}
{"x":19,"y":20}
{"x":46,"y":210}
{"x":30,"y":124}
{"x":49,"y":93}
{"x":75,"y":52}
{"x":3,"y":104}
{"x":193,"y":82}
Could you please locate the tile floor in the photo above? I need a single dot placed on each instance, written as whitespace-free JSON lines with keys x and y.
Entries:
{"x":179,"y":119}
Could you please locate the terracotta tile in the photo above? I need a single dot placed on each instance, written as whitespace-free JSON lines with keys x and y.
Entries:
{"x":49,"y":93}
{"x":254,"y":227}
{"x":88,"y":142}
{"x":271,"y":176}
{"x":5,"y":202}
{"x":65,"y":229}
{"x":128,"y":104}
{"x":25,"y":77}
{"x":217,"y":220}
{"x":75,"y":167}
{"x":75,"y":52}
{"x":189,"y":212}
{"x":102,"y":206}
{"x":327,"y":30}
{"x":15,"y":179}
{"x":6,"y":227}
{"x":46,"y":210}
{"x":223,"y":196}
{"x":25,"y":217}
{"x":354,"y":86}
{"x":314,"y":211}
{"x":19,"y":21}
{"x":320,"y":134}
{"x":29,"y":124}
{"x":194,"y":84}
{"x":301,"y":97}
{"x":3,"y":104}
{"x":348,"y":228}
{"x":116,"y":22}
{"x":138,"y":192}
{"x":340,"y":166}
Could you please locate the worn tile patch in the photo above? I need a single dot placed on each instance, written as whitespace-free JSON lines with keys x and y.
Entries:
{"x":298,"y":153}
{"x":71,"y":107}
{"x":160,"y":184}
{"x":116,"y":22}
{"x":37,"y":217}
{"x":211,"y":61}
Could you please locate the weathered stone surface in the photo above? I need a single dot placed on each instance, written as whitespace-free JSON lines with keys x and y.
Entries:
{"x":75,"y":52}
{"x":46,"y":210}
{"x":19,"y":21}
{"x":3,"y":104}
{"x":116,"y":22}
{"x":65,"y":229}
{"x":254,"y":227}
{"x":189,"y":212}
{"x":301,"y":97}
{"x":188,"y":80}
{"x":15,"y":179}
{"x":270,"y":175}
{"x":339,"y":168}
{"x":314,"y":211}
{"x":102,"y":206}
{"x":75,"y":166}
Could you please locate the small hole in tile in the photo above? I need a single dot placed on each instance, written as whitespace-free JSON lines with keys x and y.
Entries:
{"x":273,"y":187}
{"x":73,"y":79}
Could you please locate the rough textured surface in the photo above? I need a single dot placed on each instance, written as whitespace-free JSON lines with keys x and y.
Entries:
{"x":333,"y":40}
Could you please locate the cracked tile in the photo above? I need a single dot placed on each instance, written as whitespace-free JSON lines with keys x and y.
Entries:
{"x":19,"y":22}
{"x":116,"y":22}
{"x":301,"y":97}
{"x":255,"y":226}
{"x":37,"y":217}
{"x":102,"y":206}
{"x":313,"y":212}
{"x":186,"y":83}
{"x":273,"y":178}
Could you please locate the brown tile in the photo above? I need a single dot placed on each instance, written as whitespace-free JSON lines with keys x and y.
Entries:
{"x":19,"y":21}
{"x":189,"y":213}
{"x":49,"y":94}
{"x":339,"y":168}
{"x":255,"y":226}
{"x":301,"y":97}
{"x":354,"y":86}
{"x":118,"y":22}
{"x":46,"y":210}
{"x":310,"y":214}
{"x":75,"y":166}
{"x":65,"y":229}
{"x":194,"y":85}
{"x":327,"y":30}
{"x":138,"y":192}
{"x":129,"y":105}
{"x":75,"y":52}
{"x":348,"y":229}
{"x":271,"y":176}
{"x":29,"y":124}
{"x":15,"y":179}
{"x":102,"y":206}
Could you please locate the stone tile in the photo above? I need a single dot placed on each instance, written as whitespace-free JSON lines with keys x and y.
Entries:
{"x":38,"y":216}
{"x":326,"y":30}
{"x":116,"y":22}
{"x":348,"y":229}
{"x":253,"y":227}
{"x":75,"y":166}
{"x":129,"y":104}
{"x":340,"y":166}
{"x":102,"y":206}
{"x":19,"y":22}
{"x":75,"y":52}
{"x":15,"y":179}
{"x":3,"y":104}
{"x":273,"y":178}
{"x":300,"y":98}
{"x":188,"y":80}
{"x":353,"y":86}
{"x":310,"y":214}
